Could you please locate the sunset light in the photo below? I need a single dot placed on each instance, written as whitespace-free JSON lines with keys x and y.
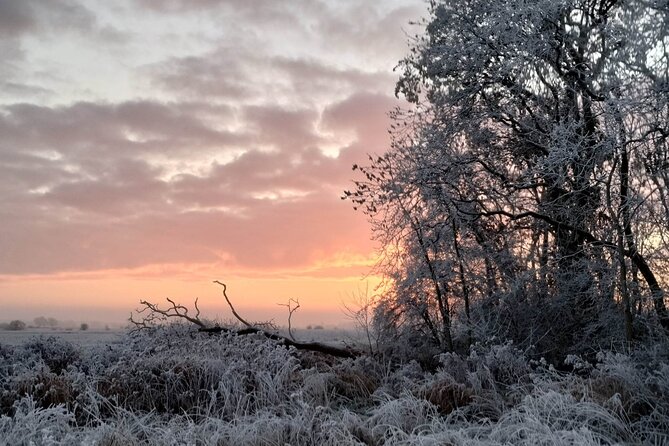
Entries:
{"x":149,"y":148}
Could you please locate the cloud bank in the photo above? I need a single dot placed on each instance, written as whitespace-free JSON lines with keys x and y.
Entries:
{"x":218,"y":132}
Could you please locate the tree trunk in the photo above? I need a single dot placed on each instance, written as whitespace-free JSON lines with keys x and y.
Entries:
{"x":656,"y":291}
{"x":625,"y":235}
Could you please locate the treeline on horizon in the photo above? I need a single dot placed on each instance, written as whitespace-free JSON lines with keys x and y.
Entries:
{"x":50,"y":323}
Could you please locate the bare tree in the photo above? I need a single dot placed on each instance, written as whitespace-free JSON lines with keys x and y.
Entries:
{"x":361,"y":312}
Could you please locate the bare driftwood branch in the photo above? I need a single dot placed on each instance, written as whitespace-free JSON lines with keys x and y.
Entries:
{"x":153,"y":315}
{"x":291,"y":309}
{"x":234,"y":312}
{"x":319,"y":347}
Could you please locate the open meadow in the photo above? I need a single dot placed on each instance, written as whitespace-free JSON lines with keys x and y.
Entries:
{"x":87,"y":338}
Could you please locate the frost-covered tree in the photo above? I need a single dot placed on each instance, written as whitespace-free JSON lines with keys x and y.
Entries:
{"x":16,"y":325}
{"x":530,"y":176}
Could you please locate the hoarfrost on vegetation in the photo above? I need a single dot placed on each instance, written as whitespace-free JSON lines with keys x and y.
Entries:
{"x":177,"y":386}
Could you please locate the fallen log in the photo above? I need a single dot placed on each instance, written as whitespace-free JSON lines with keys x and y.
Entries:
{"x":153,"y":314}
{"x":318,"y":347}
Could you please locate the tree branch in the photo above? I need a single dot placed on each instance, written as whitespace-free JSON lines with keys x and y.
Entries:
{"x":234,"y":312}
{"x":154,"y":315}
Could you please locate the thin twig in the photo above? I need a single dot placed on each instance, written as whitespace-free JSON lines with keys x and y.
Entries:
{"x":234,"y":312}
{"x":291,"y":310}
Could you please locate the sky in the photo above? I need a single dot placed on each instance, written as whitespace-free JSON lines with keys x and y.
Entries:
{"x":150,"y":147}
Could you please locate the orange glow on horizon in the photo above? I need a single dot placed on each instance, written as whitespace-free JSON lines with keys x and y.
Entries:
{"x":158,"y":168}
{"x":110,"y":295}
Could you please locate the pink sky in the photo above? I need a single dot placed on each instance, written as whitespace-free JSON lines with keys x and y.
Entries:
{"x":148,"y":148}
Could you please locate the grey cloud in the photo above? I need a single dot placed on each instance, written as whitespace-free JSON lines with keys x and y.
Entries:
{"x":170,"y":6}
{"x":22,"y":176}
{"x":263,"y":11}
{"x":83,"y":156}
{"x":86,"y":185}
{"x":101,"y":178}
{"x":125,"y":187}
{"x":222,"y":74}
{"x":115,"y":211}
{"x":12,"y":56}
{"x":302,"y":168}
{"x":64,"y":14}
{"x":364,"y":113}
{"x":231,"y":75}
{"x":140,"y":127}
{"x":26,"y":23}
{"x":361,"y":28}
{"x":311,"y":76}
{"x":19,"y":17}
{"x":21,"y":89}
{"x":285,"y":129}
{"x":236,"y":183}
{"x":246,"y":68}
{"x":16,"y":17}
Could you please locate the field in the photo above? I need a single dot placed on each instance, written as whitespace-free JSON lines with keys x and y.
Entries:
{"x":80,"y":338}
{"x":173,"y":385}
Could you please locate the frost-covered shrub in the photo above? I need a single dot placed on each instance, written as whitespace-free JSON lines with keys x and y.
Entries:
{"x":6,"y":360}
{"x":356,"y":380}
{"x":638,"y":384}
{"x":37,"y":370}
{"x":506,"y":364}
{"x":447,"y":394}
{"x":32,"y":424}
{"x":395,"y":417}
{"x":399,"y":341}
{"x":56,"y":353}
{"x":396,"y":381}
{"x":175,"y":386}
{"x":225,"y":375}
{"x":309,"y":426}
{"x":555,"y":418}
{"x":487,"y":382}
{"x":351,"y":383}
{"x":46,"y":388}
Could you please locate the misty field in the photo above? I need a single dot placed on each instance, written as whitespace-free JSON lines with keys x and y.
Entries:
{"x":173,"y":385}
{"x":88,"y":338}
{"x":91,"y":338}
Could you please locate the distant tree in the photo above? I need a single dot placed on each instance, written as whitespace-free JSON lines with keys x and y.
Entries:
{"x":83,"y":327}
{"x":16,"y":325}
{"x":52,"y":322}
{"x":40,"y":322}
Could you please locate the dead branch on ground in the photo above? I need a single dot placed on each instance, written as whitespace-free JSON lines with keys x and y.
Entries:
{"x":153,"y":315}
{"x":291,"y":309}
